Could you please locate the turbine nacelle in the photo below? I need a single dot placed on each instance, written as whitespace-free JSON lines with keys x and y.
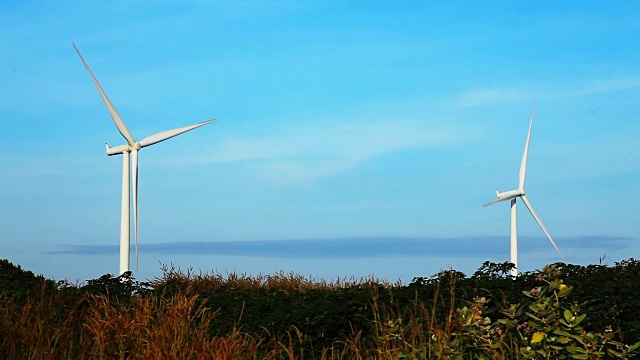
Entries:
{"x":116,"y":150}
{"x":506,"y":196}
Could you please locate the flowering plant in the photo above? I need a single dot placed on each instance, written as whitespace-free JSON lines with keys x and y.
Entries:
{"x":554,"y":331}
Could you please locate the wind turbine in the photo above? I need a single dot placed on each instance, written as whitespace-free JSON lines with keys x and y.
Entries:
{"x":131,"y":148}
{"x":520,"y":193}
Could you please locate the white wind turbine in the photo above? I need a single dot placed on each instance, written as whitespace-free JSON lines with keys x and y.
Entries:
{"x":520,"y":193}
{"x":132,"y":147}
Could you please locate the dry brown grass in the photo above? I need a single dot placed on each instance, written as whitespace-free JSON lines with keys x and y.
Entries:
{"x":144,"y":328}
{"x":36,"y":330}
{"x":203,"y":281}
{"x":151,"y":328}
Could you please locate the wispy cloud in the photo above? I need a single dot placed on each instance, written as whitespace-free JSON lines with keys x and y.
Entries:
{"x":306,"y":153}
{"x":545,"y":90}
{"x":364,"y":247}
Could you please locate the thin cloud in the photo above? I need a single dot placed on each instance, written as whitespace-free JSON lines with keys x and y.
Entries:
{"x":320,"y":150}
{"x":365,"y":247}
{"x":550,"y":90}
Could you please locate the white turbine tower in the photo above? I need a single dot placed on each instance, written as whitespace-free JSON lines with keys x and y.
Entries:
{"x":132,"y":147}
{"x":520,"y":193}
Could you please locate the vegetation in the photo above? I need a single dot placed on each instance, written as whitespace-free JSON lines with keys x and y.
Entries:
{"x":560,"y":312}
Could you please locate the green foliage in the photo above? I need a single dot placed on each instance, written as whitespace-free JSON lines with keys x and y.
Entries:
{"x":609,"y":293}
{"x":21,"y":284}
{"x":493,"y":271}
{"x":121,"y":287}
{"x":553,"y":326}
{"x":548,"y":326}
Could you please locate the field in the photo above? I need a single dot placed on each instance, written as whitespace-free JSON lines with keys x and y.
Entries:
{"x":561,"y":311}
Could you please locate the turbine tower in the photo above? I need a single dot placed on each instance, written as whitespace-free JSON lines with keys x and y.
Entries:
{"x":131,"y":148}
{"x":520,"y":193}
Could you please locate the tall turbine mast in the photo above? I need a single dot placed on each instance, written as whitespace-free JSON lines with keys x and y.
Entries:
{"x":513,"y":195}
{"x":130,"y":148}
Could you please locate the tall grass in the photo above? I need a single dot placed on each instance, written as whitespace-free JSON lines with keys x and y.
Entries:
{"x":97,"y":328}
{"x":202,"y":281}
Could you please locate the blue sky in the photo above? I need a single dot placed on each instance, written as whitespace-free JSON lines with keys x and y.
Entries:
{"x":352,"y":139}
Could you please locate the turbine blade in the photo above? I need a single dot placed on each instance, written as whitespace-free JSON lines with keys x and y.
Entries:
{"x":134,"y":165}
{"x":112,"y":110}
{"x":523,"y":164}
{"x":535,"y":216}
{"x":168,"y":134}
{"x":496,"y":201}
